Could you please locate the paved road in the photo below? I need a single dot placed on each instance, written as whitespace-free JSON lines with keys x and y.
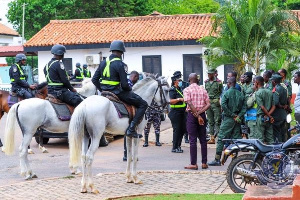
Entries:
{"x":107,"y":159}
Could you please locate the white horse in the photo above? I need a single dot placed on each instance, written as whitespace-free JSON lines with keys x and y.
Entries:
{"x":97,"y":114}
{"x":32,"y":114}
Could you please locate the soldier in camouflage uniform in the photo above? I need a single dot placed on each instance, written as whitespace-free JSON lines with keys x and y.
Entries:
{"x":214,"y":89}
{"x":153,"y":117}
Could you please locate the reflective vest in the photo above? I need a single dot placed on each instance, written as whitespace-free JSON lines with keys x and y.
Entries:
{"x":81,"y":74}
{"x":181,"y":105}
{"x":106,"y":73}
{"x":22,"y":77}
{"x":50,"y":82}
{"x":88,"y":73}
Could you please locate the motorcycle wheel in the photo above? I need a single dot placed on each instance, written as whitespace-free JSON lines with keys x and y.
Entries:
{"x":237,"y":182}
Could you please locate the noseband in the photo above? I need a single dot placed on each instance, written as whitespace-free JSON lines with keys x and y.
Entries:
{"x":163,"y":99}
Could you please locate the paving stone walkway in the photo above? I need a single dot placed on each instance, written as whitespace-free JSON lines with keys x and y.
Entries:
{"x":113,"y":185}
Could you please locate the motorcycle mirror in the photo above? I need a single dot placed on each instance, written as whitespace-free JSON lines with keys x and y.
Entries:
{"x":289,"y":118}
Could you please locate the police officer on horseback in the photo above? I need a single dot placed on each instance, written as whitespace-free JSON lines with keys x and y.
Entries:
{"x":58,"y":82}
{"x":86,"y":71}
{"x":78,"y":76}
{"x":19,"y":84}
{"x":111,"y":76}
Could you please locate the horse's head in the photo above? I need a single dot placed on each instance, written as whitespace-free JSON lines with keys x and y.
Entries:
{"x":162,"y":94}
{"x":41,"y":90}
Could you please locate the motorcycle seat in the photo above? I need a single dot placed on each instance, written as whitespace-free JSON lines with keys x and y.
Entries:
{"x":261,"y":146}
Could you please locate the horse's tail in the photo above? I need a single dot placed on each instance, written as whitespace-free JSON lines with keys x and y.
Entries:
{"x":76,"y":132}
{"x":9,"y":137}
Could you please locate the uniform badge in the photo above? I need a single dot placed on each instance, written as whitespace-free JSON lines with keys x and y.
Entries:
{"x":62,"y":65}
{"x":15,"y":69}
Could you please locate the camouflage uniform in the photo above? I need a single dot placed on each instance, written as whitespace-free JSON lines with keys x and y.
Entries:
{"x":214,"y":89}
{"x":154,"y":117}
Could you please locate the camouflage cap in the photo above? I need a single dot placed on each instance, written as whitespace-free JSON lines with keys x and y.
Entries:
{"x":276,"y":77}
{"x":211,"y":71}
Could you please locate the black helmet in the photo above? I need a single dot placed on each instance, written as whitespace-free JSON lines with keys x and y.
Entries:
{"x":77,"y":64}
{"x":117,"y":45}
{"x":20,"y":57}
{"x":58,"y":49}
{"x":84,"y":65}
{"x":177,"y":74}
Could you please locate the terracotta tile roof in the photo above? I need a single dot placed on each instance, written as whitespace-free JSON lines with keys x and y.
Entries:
{"x":6,"y":51}
{"x":4,"y":30}
{"x":129,"y":29}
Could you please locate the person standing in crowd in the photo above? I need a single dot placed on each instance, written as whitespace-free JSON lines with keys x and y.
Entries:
{"x":282,"y":104}
{"x":251,"y":113}
{"x":183,"y":85}
{"x":214,"y":88}
{"x":78,"y":75}
{"x":198,"y":102}
{"x":86,"y":71}
{"x":234,"y":108}
{"x":133,"y":79}
{"x":265,"y":108}
{"x":297,"y":100}
{"x":287,"y":84}
{"x":268,"y":83}
{"x":177,"y":114}
{"x":18,"y":80}
{"x":237,"y":86}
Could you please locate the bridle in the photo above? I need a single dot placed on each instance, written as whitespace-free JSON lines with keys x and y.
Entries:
{"x":164,"y":103}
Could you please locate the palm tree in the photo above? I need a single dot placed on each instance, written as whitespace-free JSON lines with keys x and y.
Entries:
{"x":246,"y":31}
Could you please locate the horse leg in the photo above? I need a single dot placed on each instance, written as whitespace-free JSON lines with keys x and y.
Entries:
{"x":129,"y":159}
{"x":90,"y":157}
{"x":135,"y":147}
{"x":24,"y":162}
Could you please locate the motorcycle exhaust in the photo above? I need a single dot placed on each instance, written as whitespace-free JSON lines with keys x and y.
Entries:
{"x":246,"y":173}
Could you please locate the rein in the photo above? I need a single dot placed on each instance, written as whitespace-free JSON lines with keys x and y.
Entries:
{"x":163,"y":99}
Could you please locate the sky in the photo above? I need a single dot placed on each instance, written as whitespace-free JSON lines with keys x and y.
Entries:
{"x":3,"y":12}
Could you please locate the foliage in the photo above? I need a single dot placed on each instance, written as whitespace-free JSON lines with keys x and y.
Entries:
{"x":246,"y":31}
{"x":188,"y":197}
{"x":31,"y":61}
{"x":38,"y":13}
{"x":287,"y":4}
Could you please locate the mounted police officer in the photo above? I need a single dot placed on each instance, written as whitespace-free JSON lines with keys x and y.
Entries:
{"x":111,"y":76}
{"x":86,"y":71}
{"x":19,"y":84}
{"x":78,"y":75}
{"x":57,"y":78}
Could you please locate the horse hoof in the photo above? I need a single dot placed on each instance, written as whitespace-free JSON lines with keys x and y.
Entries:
{"x":3,"y":149}
{"x":130,"y":181}
{"x":78,"y":173}
{"x":84,"y":190}
{"x":138,"y":182}
{"x":30,"y":151}
{"x":29,"y":177}
{"x":33,"y":176}
{"x":95,"y":191}
{"x":45,"y":150}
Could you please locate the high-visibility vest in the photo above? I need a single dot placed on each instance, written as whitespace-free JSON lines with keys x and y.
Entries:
{"x":181,"y":105}
{"x":81,"y":74}
{"x":22,"y":77}
{"x":106,"y":73}
{"x":88,"y":73}
{"x":50,"y":82}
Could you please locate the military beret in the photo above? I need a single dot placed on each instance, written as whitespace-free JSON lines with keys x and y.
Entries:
{"x":211,"y":71}
{"x":177,"y":74}
{"x":276,"y":77}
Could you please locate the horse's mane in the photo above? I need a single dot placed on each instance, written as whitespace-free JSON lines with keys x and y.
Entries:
{"x":142,"y":82}
{"x":41,"y":85}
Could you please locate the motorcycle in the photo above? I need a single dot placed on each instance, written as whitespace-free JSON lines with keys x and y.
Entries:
{"x":273,"y":165}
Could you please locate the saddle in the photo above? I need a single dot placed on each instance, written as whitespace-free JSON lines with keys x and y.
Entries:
{"x":12,"y":99}
{"x":63,"y":111}
{"x":123,"y":109}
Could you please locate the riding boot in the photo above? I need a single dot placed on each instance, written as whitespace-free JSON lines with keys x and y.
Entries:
{"x":125,"y":150}
{"x":103,"y":142}
{"x":1,"y":143}
{"x":186,"y":138}
{"x":157,"y":143}
{"x":146,"y":140}
{"x":131,"y":132}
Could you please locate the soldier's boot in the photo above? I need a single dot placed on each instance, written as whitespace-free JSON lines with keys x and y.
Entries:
{"x":211,"y":140}
{"x":186,"y":138}
{"x":103,"y":141}
{"x":131,"y":132}
{"x":1,"y":143}
{"x":215,"y":162}
{"x":157,"y":143}
{"x":125,"y":155}
{"x":146,"y":141}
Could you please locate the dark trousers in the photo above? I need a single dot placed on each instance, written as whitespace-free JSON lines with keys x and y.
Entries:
{"x":23,"y":93}
{"x":178,"y":124}
{"x":131,"y":98}
{"x":279,"y":131}
{"x":66,"y":96}
{"x":196,"y":131}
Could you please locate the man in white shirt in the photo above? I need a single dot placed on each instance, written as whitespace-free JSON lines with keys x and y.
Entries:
{"x":297,"y":100}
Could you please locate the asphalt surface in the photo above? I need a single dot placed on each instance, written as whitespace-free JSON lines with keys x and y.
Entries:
{"x":107,"y":159}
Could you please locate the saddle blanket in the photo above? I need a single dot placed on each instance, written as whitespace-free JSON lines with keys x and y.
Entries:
{"x":121,"y":109}
{"x":62,"y":111}
{"x":11,"y":100}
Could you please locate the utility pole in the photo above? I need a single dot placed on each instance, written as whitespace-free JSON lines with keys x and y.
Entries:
{"x":23,"y":23}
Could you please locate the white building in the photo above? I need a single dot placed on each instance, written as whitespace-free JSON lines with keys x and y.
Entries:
{"x":156,"y":43}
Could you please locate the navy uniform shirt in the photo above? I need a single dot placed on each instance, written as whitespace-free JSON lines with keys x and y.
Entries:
{"x":14,"y":73}
{"x":175,"y":94}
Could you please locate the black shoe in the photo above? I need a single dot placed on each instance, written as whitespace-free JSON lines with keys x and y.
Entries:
{"x":214,"y":163}
{"x":1,"y":143}
{"x":124,"y":158}
{"x":131,"y":132}
{"x":146,"y":141}
{"x":179,"y":150}
{"x":103,"y":142}
{"x":157,"y":143}
{"x":173,"y":150}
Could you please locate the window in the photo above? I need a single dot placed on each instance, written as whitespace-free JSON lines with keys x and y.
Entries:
{"x":68,"y":65}
{"x":227,"y":68}
{"x":192,"y":63}
{"x":152,"y":64}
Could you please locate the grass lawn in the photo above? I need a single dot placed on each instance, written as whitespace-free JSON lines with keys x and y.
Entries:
{"x":188,"y":197}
